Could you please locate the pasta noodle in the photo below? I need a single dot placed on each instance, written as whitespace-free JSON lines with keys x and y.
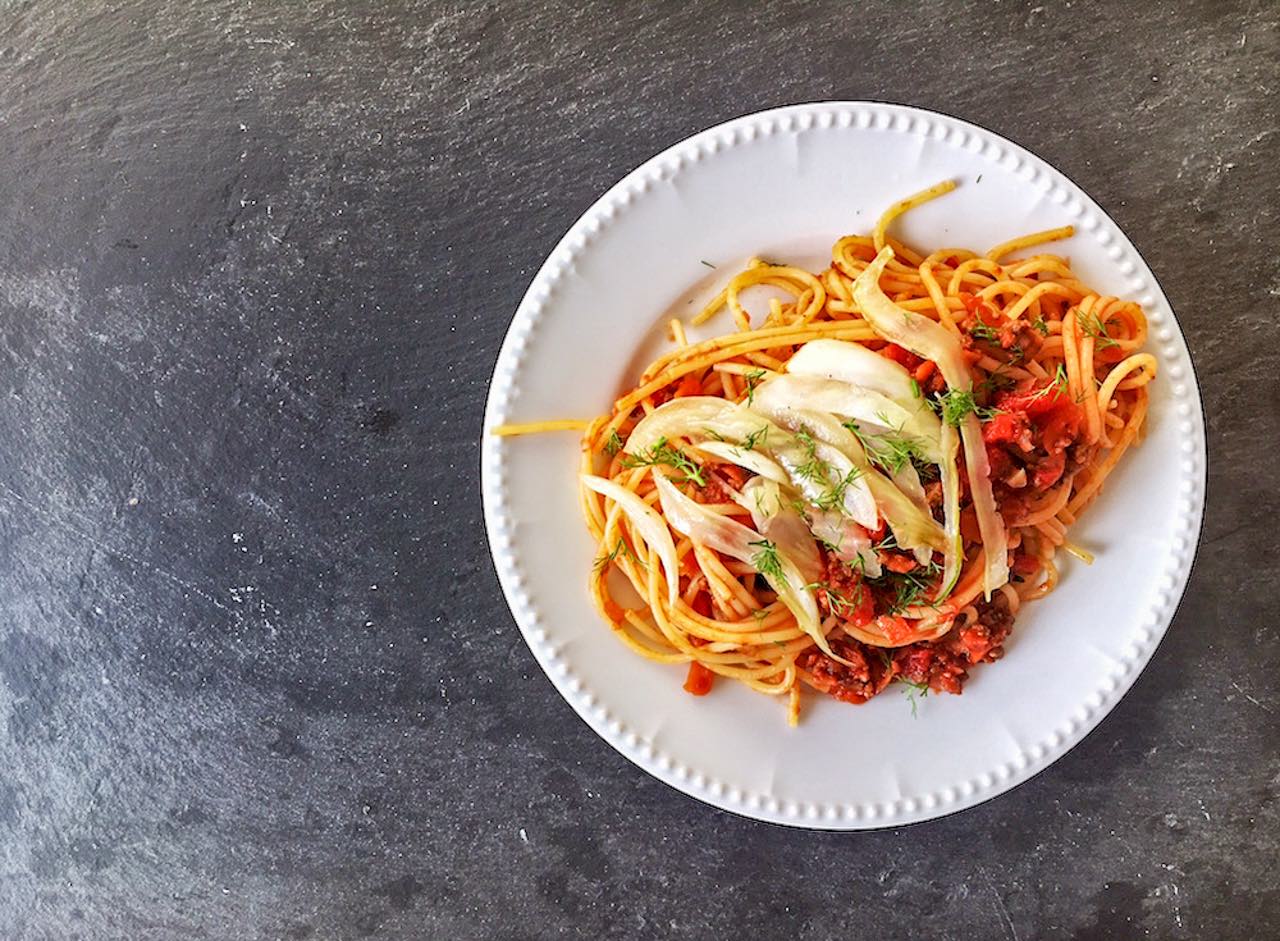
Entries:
{"x":1053,"y":391}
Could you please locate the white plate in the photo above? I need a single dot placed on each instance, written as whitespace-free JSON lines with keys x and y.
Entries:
{"x":785,"y":184}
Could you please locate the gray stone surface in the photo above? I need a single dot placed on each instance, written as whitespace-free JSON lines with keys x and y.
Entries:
{"x":256,"y":677}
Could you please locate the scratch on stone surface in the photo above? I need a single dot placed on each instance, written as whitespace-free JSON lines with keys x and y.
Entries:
{"x":1000,"y":906}
{"x":1243,"y":527}
{"x":60,"y":523}
{"x":1248,"y":697}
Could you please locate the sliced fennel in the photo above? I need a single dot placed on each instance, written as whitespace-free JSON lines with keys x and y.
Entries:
{"x":854,"y":364}
{"x":847,"y":541}
{"x":884,"y":413}
{"x":702,"y":416}
{"x":929,"y":339}
{"x":751,"y":460}
{"x":716,"y":531}
{"x":817,"y":471}
{"x":777,"y":521}
{"x":912,"y":528}
{"x":649,"y":525}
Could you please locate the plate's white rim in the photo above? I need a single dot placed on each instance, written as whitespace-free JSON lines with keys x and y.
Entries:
{"x":1164,"y":336}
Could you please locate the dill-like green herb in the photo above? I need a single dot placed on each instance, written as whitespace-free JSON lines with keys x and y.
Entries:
{"x":833,"y":497}
{"x":984,"y":331}
{"x":839,"y":603}
{"x":613,"y":445}
{"x":620,"y":549}
{"x":766,"y":560}
{"x":1040,"y":326}
{"x":1058,"y":384}
{"x":914,"y":692}
{"x":759,"y":436}
{"x":994,"y":383}
{"x":662,"y":453}
{"x":753,"y":379}
{"x":959,"y":403}
{"x":891,"y":452}
{"x":1095,"y":328}
{"x":909,"y":588}
{"x":888,"y":542}
{"x":814,"y":468}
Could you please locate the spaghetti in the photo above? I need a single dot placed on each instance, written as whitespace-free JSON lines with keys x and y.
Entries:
{"x":866,"y":487}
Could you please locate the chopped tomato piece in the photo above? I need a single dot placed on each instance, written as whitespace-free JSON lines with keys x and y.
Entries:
{"x":689,"y":385}
{"x":925,"y":370}
{"x":898,"y":562}
{"x":689,"y":564}
{"x":1062,"y":429}
{"x":1049,"y":470}
{"x":914,"y":663}
{"x":699,"y":679}
{"x":1038,"y":400}
{"x":976,"y":642}
{"x":900,"y":356}
{"x":702,"y":604}
{"x":736,"y":475}
{"x":1007,"y":427}
{"x":1024,"y":564}
{"x":895,"y":627}
{"x":976,"y":307}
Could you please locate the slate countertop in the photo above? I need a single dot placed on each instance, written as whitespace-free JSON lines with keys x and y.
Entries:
{"x":257,"y":680}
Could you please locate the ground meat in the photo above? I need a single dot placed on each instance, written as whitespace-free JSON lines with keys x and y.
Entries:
{"x":714,"y":491}
{"x":1019,"y":337}
{"x":868,"y":675}
{"x":1023,"y":337}
{"x":941,"y":665}
{"x":856,"y":604}
{"x":931,"y":665}
{"x":720,"y":483}
{"x":982,"y":641}
{"x":1080,"y":455}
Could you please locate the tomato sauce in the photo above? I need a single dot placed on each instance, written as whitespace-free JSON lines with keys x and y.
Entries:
{"x":941,"y":665}
{"x":1028,"y":437}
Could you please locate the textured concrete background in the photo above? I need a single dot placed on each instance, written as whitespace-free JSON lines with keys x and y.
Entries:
{"x":256,"y":678}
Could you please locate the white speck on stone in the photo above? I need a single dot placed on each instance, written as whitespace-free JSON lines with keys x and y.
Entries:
{"x":237,"y":537}
{"x":524,"y":836}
